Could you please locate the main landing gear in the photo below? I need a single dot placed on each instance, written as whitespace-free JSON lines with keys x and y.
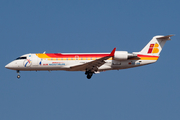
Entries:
{"x":89,"y":74}
{"x":18,"y":76}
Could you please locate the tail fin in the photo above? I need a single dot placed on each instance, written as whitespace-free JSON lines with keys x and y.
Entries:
{"x":155,"y":46}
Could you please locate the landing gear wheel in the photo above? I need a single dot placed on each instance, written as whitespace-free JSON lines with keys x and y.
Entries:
{"x":89,"y":75}
{"x":18,"y":76}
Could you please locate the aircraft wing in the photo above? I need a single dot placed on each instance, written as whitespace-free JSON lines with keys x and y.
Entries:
{"x":93,"y":65}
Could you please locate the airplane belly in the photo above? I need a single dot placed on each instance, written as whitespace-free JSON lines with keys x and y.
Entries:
{"x":130,"y":63}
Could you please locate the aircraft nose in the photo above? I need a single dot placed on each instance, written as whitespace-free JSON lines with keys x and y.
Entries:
{"x":9,"y":66}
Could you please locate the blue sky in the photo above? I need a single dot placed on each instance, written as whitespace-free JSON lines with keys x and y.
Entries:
{"x":147,"y":92}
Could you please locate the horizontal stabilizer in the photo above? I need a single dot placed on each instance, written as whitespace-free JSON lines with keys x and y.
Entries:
{"x":165,"y":37}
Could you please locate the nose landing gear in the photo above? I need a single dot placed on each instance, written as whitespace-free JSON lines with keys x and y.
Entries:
{"x":18,"y":76}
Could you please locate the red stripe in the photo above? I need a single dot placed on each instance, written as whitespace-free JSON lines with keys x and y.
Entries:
{"x":59,"y":55}
{"x":148,"y":56}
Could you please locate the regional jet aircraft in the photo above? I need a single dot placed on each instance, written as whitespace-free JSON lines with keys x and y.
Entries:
{"x":90,"y":63}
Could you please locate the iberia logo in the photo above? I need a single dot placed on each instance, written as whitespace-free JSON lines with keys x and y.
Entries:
{"x":27,"y":63}
{"x":153,"y":48}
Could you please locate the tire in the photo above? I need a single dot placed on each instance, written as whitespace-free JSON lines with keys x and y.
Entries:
{"x":89,"y":77}
{"x":18,"y":76}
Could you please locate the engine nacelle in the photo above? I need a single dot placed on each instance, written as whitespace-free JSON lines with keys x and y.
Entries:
{"x":121,"y":55}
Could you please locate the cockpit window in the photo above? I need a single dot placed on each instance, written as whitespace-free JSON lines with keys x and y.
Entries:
{"x":20,"y":58}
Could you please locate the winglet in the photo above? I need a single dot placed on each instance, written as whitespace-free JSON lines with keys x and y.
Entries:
{"x":112,"y":53}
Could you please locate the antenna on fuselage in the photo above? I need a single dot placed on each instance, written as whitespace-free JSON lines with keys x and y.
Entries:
{"x":44,"y":52}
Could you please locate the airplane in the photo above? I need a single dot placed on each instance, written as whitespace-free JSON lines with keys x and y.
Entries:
{"x":90,"y":63}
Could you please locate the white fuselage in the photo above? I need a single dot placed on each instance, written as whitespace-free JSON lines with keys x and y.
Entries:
{"x":31,"y":62}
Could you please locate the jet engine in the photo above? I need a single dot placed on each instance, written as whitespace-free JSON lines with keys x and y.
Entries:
{"x":123,"y":55}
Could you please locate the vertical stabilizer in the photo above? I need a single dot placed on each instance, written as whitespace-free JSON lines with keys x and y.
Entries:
{"x":155,"y":46}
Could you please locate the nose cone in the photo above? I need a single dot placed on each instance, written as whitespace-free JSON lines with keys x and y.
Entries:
{"x":10,"y":66}
{"x":6,"y":66}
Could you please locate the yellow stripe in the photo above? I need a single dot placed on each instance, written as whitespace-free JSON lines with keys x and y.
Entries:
{"x":149,"y":58}
{"x":42,"y":56}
